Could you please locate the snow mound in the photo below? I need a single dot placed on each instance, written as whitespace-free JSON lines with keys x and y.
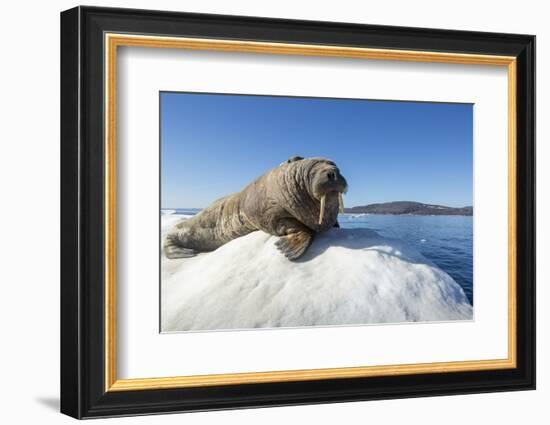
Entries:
{"x":347,"y":276}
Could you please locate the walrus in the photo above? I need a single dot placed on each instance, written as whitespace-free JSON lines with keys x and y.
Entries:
{"x":294,"y":201}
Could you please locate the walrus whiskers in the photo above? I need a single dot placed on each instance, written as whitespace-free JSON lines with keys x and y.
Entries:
{"x":340,"y":203}
{"x":322,"y":209}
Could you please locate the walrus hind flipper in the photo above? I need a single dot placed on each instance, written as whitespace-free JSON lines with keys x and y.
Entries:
{"x":294,"y":245}
{"x":174,"y":252}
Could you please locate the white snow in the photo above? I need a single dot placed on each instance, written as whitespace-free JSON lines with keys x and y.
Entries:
{"x":348,"y":276}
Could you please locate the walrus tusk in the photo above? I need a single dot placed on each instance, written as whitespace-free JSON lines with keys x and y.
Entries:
{"x":340,"y":203}
{"x":322,"y":209}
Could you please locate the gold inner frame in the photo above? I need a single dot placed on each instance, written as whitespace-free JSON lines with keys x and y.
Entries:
{"x":113,"y":41}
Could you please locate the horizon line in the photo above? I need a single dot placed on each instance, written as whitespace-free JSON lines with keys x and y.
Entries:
{"x":355,"y":206}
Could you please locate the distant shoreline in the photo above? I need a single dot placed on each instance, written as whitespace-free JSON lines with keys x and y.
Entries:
{"x":347,"y":212}
{"x":409,"y":208}
{"x":392,"y":208}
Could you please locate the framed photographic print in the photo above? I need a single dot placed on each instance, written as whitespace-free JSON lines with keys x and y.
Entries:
{"x":261,"y":212}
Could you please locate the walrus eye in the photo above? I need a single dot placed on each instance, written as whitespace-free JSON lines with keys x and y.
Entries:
{"x":331,"y":175}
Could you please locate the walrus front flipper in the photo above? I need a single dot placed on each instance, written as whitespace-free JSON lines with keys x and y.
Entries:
{"x":294,"y":245}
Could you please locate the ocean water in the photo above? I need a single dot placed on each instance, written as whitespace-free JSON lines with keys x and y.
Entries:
{"x":445,"y":240}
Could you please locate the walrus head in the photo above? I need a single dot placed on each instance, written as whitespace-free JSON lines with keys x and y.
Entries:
{"x":324,"y":183}
{"x":327,"y":182}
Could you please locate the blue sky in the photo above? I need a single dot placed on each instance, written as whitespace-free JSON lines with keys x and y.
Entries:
{"x":214,"y":145}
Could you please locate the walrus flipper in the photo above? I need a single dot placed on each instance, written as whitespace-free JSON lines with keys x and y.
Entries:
{"x":173,"y":250}
{"x":294,"y":245}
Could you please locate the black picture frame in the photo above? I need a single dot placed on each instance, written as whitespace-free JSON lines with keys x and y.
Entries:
{"x":83,"y":392}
